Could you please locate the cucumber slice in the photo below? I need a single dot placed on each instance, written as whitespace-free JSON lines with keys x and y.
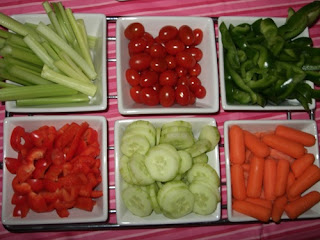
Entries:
{"x":137,"y":201}
{"x":199,"y":147}
{"x":125,"y":172}
{"x":210,"y":133}
{"x":186,"y":161}
{"x":142,"y":124}
{"x":213,"y":187}
{"x":202,"y":158}
{"x":162,"y":165}
{"x":176,"y":129}
{"x":180,"y":140}
{"x":139,"y":170}
{"x":134,"y":144}
{"x":158,"y":134}
{"x":205,"y":200}
{"x":203,"y":170}
{"x":177,"y":123}
{"x":168,"y":186}
{"x":140,"y":131}
{"x":153,"y":190}
{"x":171,"y":149}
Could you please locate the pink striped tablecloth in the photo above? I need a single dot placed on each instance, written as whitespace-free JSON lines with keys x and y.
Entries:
{"x":305,"y":229}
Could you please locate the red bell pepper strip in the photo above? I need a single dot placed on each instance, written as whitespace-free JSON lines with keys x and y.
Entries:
{"x":85,"y":203}
{"x":12,"y":164}
{"x":20,"y":139}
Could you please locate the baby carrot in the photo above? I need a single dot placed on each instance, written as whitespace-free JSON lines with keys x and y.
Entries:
{"x":283,"y":169}
{"x":246,"y":167}
{"x":237,"y":182}
{"x":255,"y":145}
{"x":255,"y":177}
{"x":278,"y":208}
{"x":284,"y":145}
{"x":291,"y":179}
{"x":307,"y":179}
{"x":276,"y":154}
{"x":296,"y":208}
{"x":301,"y":164}
{"x":269,"y":178}
{"x":262,"y":202}
{"x":236,"y":145}
{"x":296,"y":135}
{"x":253,"y":210}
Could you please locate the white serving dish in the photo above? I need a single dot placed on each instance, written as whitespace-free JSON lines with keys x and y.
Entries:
{"x":269,"y":125}
{"x":208,"y":76}
{"x":100,"y":210}
{"x":287,"y":105}
{"x":95,"y":26}
{"x":124,"y":216}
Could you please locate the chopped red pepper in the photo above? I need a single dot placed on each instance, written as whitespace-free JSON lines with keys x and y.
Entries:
{"x":20,"y":139}
{"x":13,"y":164}
{"x":85,"y":203}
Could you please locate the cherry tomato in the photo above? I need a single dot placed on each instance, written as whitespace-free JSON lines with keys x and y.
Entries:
{"x":140,"y":61}
{"x":193,"y":83}
{"x":134,"y":30}
{"x":133,"y":77}
{"x":167,"y":96}
{"x":168,"y":32}
{"x":157,"y":87}
{"x":158,"y":64}
{"x":149,"y":96}
{"x":137,"y":45}
{"x":198,"y":36}
{"x":185,"y":59}
{"x":186,"y":35}
{"x":174,"y":46}
{"x":195,"y":52}
{"x":135,"y":93}
{"x":182,"y":93}
{"x":168,"y":78}
{"x":183,"y":80}
{"x":192,"y":98}
{"x":157,"y":50}
{"x":195,"y":71}
{"x":200,"y":92}
{"x":148,"y":78}
{"x":171,"y":61}
{"x":149,"y":39}
{"x":181,"y":71}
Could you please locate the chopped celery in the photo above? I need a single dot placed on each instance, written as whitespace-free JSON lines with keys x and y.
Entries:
{"x":53,"y":19}
{"x":27,"y":75}
{"x":4,"y":74}
{"x":7,"y":85}
{"x":67,"y":70}
{"x":20,"y":54}
{"x":15,"y":61}
{"x":50,"y":50}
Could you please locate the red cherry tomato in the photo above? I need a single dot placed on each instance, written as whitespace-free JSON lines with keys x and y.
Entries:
{"x":134,"y":30}
{"x":157,"y":87}
{"x":183,"y":80}
{"x":174,"y":46}
{"x":149,"y":96}
{"x":148,"y":78}
{"x":168,"y":32}
{"x":195,"y":52}
{"x":200,"y":92}
{"x":192,"y":98}
{"x":185,"y":59}
{"x":157,"y":50}
{"x":168,"y":78}
{"x":167,"y":96}
{"x":195,"y":71}
{"x":194,"y":83}
{"x":171,"y":61}
{"x":140,"y":61}
{"x":186,"y":35}
{"x":137,"y":45}
{"x":135,"y":93}
{"x":149,"y":39}
{"x":182,"y":94}
{"x":158,"y":64}
{"x":198,"y":36}
{"x":181,"y":71}
{"x":133,"y":77}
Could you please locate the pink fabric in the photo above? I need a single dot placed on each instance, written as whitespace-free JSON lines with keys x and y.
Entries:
{"x":308,"y":229}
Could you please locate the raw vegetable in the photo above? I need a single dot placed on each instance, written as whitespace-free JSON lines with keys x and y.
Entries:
{"x":283,"y":169}
{"x":255,"y":177}
{"x":269,"y":178}
{"x":253,"y":210}
{"x":238,"y":182}
{"x":301,"y":164}
{"x":296,"y":135}
{"x":236,"y":145}
{"x":278,"y":208}
{"x":175,"y":184}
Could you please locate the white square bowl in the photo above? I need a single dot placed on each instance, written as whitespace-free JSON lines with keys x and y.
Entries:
{"x":269,"y":125}
{"x":286,"y":105}
{"x":124,"y":216}
{"x":208,"y":63}
{"x":95,"y":26}
{"x":100,"y":210}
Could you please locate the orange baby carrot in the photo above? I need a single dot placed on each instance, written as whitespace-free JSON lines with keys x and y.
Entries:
{"x":261,"y":202}
{"x":253,"y":210}
{"x":301,"y":164}
{"x":255,"y":145}
{"x":276,"y":154}
{"x":291,"y":179}
{"x":269,"y":178}
{"x":238,"y":182}
{"x":236,"y":145}
{"x":307,"y":179}
{"x":283,"y":169}
{"x":296,"y":135}
{"x":296,"y":208}
{"x":255,"y":177}
{"x":246,"y":167}
{"x":278,"y":208}
{"x":248,"y":154}
{"x":284,"y":145}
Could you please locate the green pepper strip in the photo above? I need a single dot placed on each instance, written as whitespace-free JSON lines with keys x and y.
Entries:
{"x":228,"y":44}
{"x":264,"y":60}
{"x":313,"y":77}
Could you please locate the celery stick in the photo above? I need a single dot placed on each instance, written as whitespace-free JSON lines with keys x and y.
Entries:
{"x":24,"y":74}
{"x":20,"y":54}
{"x":67,"y":70}
{"x":69,"y":37}
{"x":77,"y":98}
{"x":71,"y":63}
{"x":83,"y":31}
{"x":50,"y":50}
{"x":4,"y":34}
{"x":54,"y":38}
{"x":86,"y":88}
{"x":35,"y":91}
{"x":17,"y":40}
{"x":92,"y":41}
{"x":40,"y":51}
{"x":7,"y":85}
{"x":2,"y":42}
{"x":83,"y":47}
{"x":4,"y":74}
{"x":14,"y":61}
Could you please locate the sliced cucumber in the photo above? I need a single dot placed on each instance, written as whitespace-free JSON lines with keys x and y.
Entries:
{"x":186,"y":161}
{"x":176,"y":129}
{"x":168,"y":186}
{"x":162,"y":165}
{"x":202,"y":158}
{"x":205,"y":202}
{"x":203,"y":170}
{"x":139,"y":170}
{"x":180,"y":140}
{"x":212,"y":186}
{"x":142,"y":124}
{"x":158,"y":134}
{"x":178,"y":123}
{"x":210,"y":133}
{"x":171,"y":149}
{"x":137,"y":201}
{"x":125,"y":172}
{"x":134,"y":144}
{"x":199,"y":147}
{"x":153,"y":190}
{"x":141,"y":131}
